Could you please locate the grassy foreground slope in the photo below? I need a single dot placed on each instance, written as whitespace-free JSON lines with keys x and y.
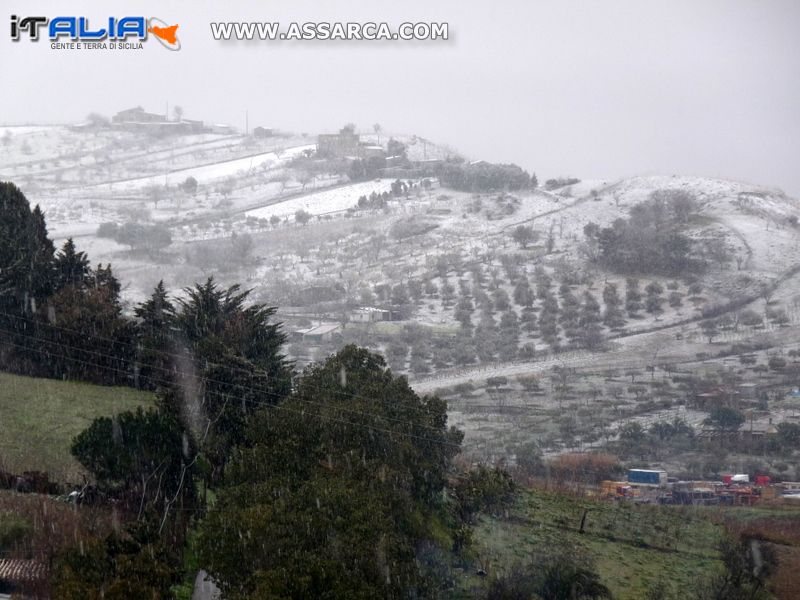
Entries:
{"x":635,"y":548}
{"x":39,"y":418}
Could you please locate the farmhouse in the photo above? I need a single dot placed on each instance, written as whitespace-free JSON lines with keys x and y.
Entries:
{"x":263,"y":132}
{"x":318,"y":333}
{"x":222,"y":128}
{"x":369,"y":314}
{"x":137,"y":115}
{"x":365,"y":151}
{"x":749,"y":391}
{"x":757,"y":429}
{"x":346,"y":144}
{"x":137,"y":119}
{"x":195,"y":126}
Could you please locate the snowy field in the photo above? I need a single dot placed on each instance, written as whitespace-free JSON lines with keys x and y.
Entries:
{"x":207,"y":173}
{"x":329,"y":201}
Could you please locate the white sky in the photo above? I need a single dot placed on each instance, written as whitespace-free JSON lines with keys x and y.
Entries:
{"x":595,"y":89}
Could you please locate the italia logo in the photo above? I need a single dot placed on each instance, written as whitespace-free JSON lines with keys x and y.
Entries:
{"x":78,"y":29}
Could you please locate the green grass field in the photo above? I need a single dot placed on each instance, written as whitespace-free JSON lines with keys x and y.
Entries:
{"x":633,"y":547}
{"x":39,"y":418}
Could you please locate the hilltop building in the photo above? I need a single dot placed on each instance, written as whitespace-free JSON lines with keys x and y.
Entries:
{"x":346,"y":144}
{"x":137,"y":115}
{"x":138,"y":119}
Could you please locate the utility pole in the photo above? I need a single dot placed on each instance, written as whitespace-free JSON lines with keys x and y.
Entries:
{"x":246,"y":123}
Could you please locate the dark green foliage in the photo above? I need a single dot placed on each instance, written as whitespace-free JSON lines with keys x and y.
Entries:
{"x":72,"y":267}
{"x":483,"y":177}
{"x":563,"y":580}
{"x":654,"y":299}
{"x":554,"y":184}
{"x":529,"y":458}
{"x":483,"y":490}
{"x":142,"y":457}
{"x":553,"y":576}
{"x":26,"y":253}
{"x":155,"y":318}
{"x":747,"y":563}
{"x":395,"y":148}
{"x":632,"y":439}
{"x":117,"y":568}
{"x":236,"y":350}
{"x":650,"y":240}
{"x":87,"y":336}
{"x":789,"y":435}
{"x":725,"y":419}
{"x":152,"y":238}
{"x":58,"y":316}
{"x":524,"y":235}
{"x":365,"y":169}
{"x":333,"y":489}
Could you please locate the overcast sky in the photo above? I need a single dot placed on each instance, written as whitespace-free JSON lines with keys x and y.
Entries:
{"x":595,"y":89}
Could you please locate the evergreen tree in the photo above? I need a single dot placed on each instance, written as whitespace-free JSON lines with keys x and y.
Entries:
{"x":231,"y":364}
{"x":71,"y":266}
{"x":41,"y":274}
{"x":344,"y":482}
{"x":87,"y":336}
{"x":140,"y":458}
{"x":26,"y":254}
{"x":155,"y":319}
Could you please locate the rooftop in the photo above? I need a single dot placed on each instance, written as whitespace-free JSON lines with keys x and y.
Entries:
{"x":18,"y":570}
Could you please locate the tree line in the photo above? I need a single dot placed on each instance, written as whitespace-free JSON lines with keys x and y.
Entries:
{"x":650,"y":240}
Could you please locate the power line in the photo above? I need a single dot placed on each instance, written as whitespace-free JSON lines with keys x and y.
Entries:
{"x":170,"y":382}
{"x":181,"y":356}
{"x":278,"y":407}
